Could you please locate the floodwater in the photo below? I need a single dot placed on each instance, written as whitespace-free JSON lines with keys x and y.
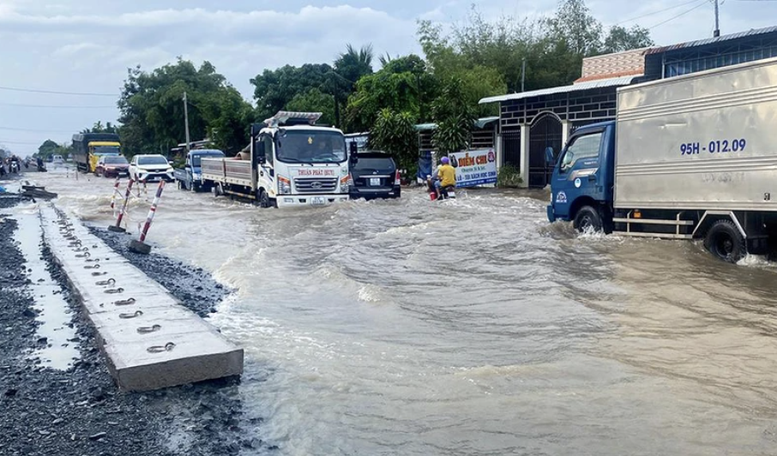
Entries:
{"x":57,"y":345}
{"x":473,"y":327}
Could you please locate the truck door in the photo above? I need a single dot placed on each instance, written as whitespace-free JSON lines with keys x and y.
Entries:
{"x":577,"y":172}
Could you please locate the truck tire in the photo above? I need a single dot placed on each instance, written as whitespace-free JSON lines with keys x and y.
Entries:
{"x":217,"y":190}
{"x":588,"y":218}
{"x":178,"y":184}
{"x":725,"y":242}
{"x":264,"y":199}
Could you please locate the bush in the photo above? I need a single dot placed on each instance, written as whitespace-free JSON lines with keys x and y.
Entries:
{"x":508,"y":177}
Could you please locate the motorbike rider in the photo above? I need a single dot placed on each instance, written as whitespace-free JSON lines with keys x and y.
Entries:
{"x":447,"y":177}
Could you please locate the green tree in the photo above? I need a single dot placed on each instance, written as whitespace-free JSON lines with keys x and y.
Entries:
{"x":98,"y":127}
{"x":575,"y":28}
{"x":403,"y":85}
{"x":274,"y":89}
{"x":314,"y":100}
{"x":152,"y":111}
{"x":622,"y":39}
{"x":48,"y":148}
{"x":395,"y":133}
{"x":454,"y":116}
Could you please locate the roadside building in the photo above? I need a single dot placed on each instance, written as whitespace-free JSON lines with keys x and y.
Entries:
{"x":529,"y":122}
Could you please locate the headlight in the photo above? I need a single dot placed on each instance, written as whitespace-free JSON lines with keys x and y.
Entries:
{"x":284,"y":185}
{"x":345,"y":184}
{"x":169,"y":170}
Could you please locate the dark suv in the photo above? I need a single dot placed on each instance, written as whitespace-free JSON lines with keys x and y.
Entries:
{"x":375,"y":175}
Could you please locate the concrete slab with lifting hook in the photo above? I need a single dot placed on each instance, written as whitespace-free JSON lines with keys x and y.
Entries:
{"x":150,"y":340}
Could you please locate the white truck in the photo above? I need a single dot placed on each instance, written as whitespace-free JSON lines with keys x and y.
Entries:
{"x":289,"y":162}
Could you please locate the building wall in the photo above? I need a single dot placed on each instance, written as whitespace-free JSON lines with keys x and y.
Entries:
{"x":576,"y":107}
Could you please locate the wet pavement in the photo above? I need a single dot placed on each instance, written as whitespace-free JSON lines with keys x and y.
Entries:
{"x":471,"y":327}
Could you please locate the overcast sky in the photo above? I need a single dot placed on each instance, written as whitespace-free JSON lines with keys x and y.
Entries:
{"x":87,"y":45}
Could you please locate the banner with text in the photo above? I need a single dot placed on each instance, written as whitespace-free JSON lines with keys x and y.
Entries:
{"x":474,"y":167}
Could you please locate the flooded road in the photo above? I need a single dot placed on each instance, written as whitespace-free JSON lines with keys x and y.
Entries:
{"x":473,"y":327}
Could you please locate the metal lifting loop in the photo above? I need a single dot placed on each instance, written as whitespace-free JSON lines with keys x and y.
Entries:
{"x":135,"y":314}
{"x":92,"y":260}
{"x":115,"y":290}
{"x":159,"y":348}
{"x":100,"y":273}
{"x":110,"y":281}
{"x":124,"y":302}
{"x":83,"y":255}
{"x":149,"y":329}
{"x":96,"y":266}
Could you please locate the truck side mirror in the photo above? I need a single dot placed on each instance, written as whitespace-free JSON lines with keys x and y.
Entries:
{"x":550,"y":157}
{"x":353,"y":152}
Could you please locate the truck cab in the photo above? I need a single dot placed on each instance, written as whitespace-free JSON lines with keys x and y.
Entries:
{"x":583,"y":177}
{"x":190,"y":178}
{"x":299,"y":163}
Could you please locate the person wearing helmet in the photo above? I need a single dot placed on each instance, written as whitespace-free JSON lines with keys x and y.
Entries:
{"x":447,"y":176}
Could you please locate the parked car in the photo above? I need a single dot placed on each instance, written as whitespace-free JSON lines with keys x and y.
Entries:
{"x":150,"y":168}
{"x":375,"y":175}
{"x":57,"y":160}
{"x":112,"y":165}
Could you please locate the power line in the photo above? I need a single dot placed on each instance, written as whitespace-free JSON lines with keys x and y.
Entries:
{"x":703,"y":2}
{"x":32,"y":130}
{"x":54,"y":92}
{"x":19,"y":142}
{"x":18,"y":105}
{"x":657,"y":12}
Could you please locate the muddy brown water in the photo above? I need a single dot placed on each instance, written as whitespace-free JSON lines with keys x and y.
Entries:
{"x":473,"y":327}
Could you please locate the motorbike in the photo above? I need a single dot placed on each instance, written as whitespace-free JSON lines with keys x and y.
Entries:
{"x":438,"y":192}
{"x":14,"y":166}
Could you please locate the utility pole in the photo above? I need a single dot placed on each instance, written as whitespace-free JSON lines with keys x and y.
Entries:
{"x":523,"y":73}
{"x":186,"y":122}
{"x":717,"y":20}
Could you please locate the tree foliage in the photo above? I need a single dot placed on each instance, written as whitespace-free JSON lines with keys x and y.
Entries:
{"x":395,"y":133}
{"x":274,"y":89}
{"x":454,"y":115}
{"x":152,"y":110}
{"x":622,"y":39}
{"x":314,"y":101}
{"x":49,"y":148}
{"x":98,"y":127}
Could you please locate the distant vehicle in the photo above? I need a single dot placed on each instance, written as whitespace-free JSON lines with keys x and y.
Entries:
{"x":88,"y":147}
{"x":190,"y":176}
{"x":57,"y":160}
{"x":290,"y":162}
{"x":688,"y":157}
{"x":112,"y":165}
{"x":149,"y":168}
{"x":375,"y":175}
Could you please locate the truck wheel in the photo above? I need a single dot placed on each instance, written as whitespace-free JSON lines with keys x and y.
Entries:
{"x":178,"y":184}
{"x":264,"y":199}
{"x":588,"y":218}
{"x":195,"y":187}
{"x":217,"y":190}
{"x":726,"y":242}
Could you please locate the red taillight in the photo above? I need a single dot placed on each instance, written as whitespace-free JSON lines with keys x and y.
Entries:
{"x":397,"y":180}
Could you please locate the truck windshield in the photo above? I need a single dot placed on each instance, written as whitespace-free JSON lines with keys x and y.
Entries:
{"x":105,"y":150}
{"x":582,"y":147}
{"x":306,"y":146}
{"x":197,"y":159}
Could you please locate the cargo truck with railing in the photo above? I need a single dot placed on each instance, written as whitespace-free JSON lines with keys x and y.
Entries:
{"x":689,"y":157}
{"x":290,"y":161}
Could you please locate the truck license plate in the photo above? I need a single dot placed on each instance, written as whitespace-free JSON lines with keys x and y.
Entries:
{"x":317,"y":201}
{"x":374,"y":182}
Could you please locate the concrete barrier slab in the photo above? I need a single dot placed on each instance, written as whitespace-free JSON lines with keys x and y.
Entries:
{"x":174,"y":346}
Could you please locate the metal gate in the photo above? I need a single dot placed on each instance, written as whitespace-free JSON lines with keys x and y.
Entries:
{"x":512,"y":148}
{"x":544,"y":132}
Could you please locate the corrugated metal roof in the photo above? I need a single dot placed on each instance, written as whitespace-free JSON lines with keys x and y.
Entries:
{"x":612,"y":82}
{"x":479,"y":123}
{"x":697,"y":43}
